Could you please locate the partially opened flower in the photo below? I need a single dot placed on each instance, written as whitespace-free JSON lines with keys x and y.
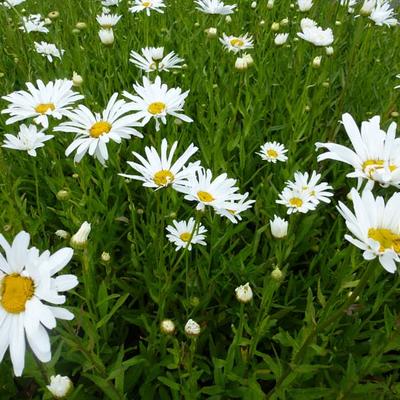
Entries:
{"x":95,"y":130}
{"x":383,"y":14}
{"x":375,"y":227}
{"x":185,"y":233}
{"x":155,"y":100}
{"x":152,"y":59}
{"x":48,"y":50}
{"x":51,"y":100}
{"x":214,"y":7}
{"x":315,"y":34}
{"x":233,"y":208}
{"x":28,"y":284}
{"x":159,"y":171}
{"x":107,"y":21}
{"x":33,"y":23}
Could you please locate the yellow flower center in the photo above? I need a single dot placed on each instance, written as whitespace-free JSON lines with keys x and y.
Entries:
{"x":296,"y":202}
{"x":205,"y":197}
{"x":107,"y":26}
{"x":272,"y":153}
{"x":370,"y":166}
{"x":100,"y":128}
{"x":156,"y":108}
{"x":386,"y":238}
{"x":163,"y":177}
{"x":146,"y":3}
{"x":186,"y":236}
{"x":236,"y":42}
{"x":16,"y":290}
{"x":44,"y":107}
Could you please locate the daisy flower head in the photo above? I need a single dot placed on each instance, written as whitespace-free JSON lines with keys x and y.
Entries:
{"x":375,"y":226}
{"x":33,"y":23}
{"x":317,"y":192}
{"x":28,"y":139}
{"x":12,"y":3}
{"x":233,"y":209}
{"x":95,"y":130}
{"x":304,"y":5}
{"x":155,"y":100}
{"x":296,"y":201}
{"x":218,"y":193}
{"x":237,"y":43}
{"x":214,"y":7}
{"x":281,"y":38}
{"x":152,"y":59}
{"x":376,"y":154}
{"x":110,"y":3}
{"x":315,"y":34}
{"x":185,"y":233}
{"x":107,"y":20}
{"x":28,"y":284}
{"x":147,"y":5}
{"x":158,"y":171}
{"x":273,"y":152}
{"x":383,"y":14}
{"x":53,"y":99}
{"x":48,"y":50}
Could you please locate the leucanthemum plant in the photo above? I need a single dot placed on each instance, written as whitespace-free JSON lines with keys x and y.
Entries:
{"x":95,"y":130}
{"x":184,"y":234}
{"x":33,"y":23}
{"x":148,"y":6}
{"x":273,"y":152}
{"x":152,"y":59}
{"x":158,"y":171}
{"x":236,"y":44}
{"x":48,"y":50}
{"x":155,"y":100}
{"x":51,"y":100}
{"x":28,"y":284}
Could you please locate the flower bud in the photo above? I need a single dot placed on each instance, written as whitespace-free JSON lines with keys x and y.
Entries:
{"x":211,"y":32}
{"x":317,"y":62}
{"x":277,"y":274}
{"x":244,"y":294}
{"x":249,"y":59}
{"x":275,"y":26}
{"x":253,"y":5}
{"x":105,"y":257}
{"x":167,"y":326}
{"x":63,"y":195}
{"x":270,"y":4}
{"x":81,"y":25}
{"x":228,"y":19}
{"x":106,"y":36}
{"x":279,"y":227}
{"x":240,"y":64}
{"x":60,"y":386}
{"x":329,"y":50}
{"x":53,"y":14}
{"x":79,"y":239}
{"x":394,"y":114}
{"x":77,"y":80}
{"x":284,"y":22}
{"x":62,"y":234}
{"x":192,"y":328}
{"x":281,"y":38}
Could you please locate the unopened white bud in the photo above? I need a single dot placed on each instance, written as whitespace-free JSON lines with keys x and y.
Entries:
{"x":279,"y":227}
{"x":77,"y":80}
{"x":253,"y":4}
{"x":240,"y":64}
{"x":106,"y":36}
{"x":329,"y":50}
{"x":211,"y":32}
{"x":284,"y":22}
{"x":62,"y":234}
{"x":277,"y":274}
{"x":281,"y":38}
{"x":275,"y":26}
{"x":105,"y":257}
{"x":317,"y":62}
{"x":270,"y":4}
{"x":192,"y":328}
{"x":244,"y":294}
{"x":249,"y":59}
{"x":167,"y":326}
{"x":79,"y":239}
{"x":60,"y":386}
{"x":228,"y":19}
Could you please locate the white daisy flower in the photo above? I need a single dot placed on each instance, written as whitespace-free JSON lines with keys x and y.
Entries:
{"x":233,"y":209}
{"x":107,"y":20}
{"x":95,"y":130}
{"x":27,"y":286}
{"x":375,"y":227}
{"x":183,"y":234}
{"x":383,"y":14}
{"x":281,"y":38}
{"x":52,"y":100}
{"x":106,"y":36}
{"x":304,"y":5}
{"x":12,"y":3}
{"x":296,"y":201}
{"x":279,"y":227}
{"x":48,"y":50}
{"x":315,"y":34}
{"x":155,"y":100}
{"x":309,"y":184}
{"x":218,"y":193}
{"x":376,"y":155}
{"x":33,"y":23}
{"x":28,"y":139}
{"x":214,"y":7}
{"x":152,"y":59}
{"x":273,"y":152}
{"x":110,"y":3}
{"x":147,"y":5}
{"x":237,"y":43}
{"x":158,"y":171}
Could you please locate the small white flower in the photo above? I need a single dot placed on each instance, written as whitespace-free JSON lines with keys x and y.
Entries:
{"x":244,"y":294}
{"x":59,"y":386}
{"x":367,"y":7}
{"x":147,"y":5}
{"x":296,"y":201}
{"x":183,"y":234}
{"x":273,"y":152}
{"x":167,"y":326}
{"x":77,"y":80}
{"x":237,"y":43}
{"x":315,"y":34}
{"x":28,"y":139}
{"x":192,"y":328}
{"x":33,"y":23}
{"x":233,"y":209}
{"x":110,"y":3}
{"x":152,"y":59}
{"x":281,"y":38}
{"x":270,"y":4}
{"x":107,"y":21}
{"x":106,"y":36}
{"x":12,"y":3}
{"x":383,"y":14}
{"x":241,"y":64}
{"x":329,"y":50}
{"x":304,"y":5}
{"x":214,"y":7}
{"x":279,"y":227}
{"x":62,"y":234}
{"x":48,"y":50}
{"x":79,"y":239}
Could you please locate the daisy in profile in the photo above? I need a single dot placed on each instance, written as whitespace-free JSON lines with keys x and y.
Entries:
{"x":107,"y":20}
{"x":218,"y":193}
{"x":375,"y":227}
{"x":214,"y":7}
{"x":51,"y":100}
{"x":237,"y":43}
{"x":317,"y":192}
{"x":273,"y":152}
{"x":315,"y":34}
{"x":158,"y":171}
{"x":376,"y":154}
{"x":95,"y":130}
{"x":147,"y":5}
{"x":185,"y":233}
{"x":155,"y":100}
{"x":48,"y":50}
{"x":296,"y":201}
{"x":28,"y":284}
{"x":33,"y":23}
{"x":383,"y":14}
{"x":28,"y":139}
{"x":235,"y":208}
{"x":152,"y":59}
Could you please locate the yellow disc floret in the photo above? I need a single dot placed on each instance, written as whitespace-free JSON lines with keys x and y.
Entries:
{"x":16,"y":290}
{"x":386,"y":238}
{"x":296,"y":202}
{"x":156,"y":108}
{"x":100,"y":128}
{"x":236,"y":42}
{"x":272,"y":153}
{"x":163,"y":177}
{"x":186,"y":236}
{"x":205,"y":197}
{"x":42,"y":108}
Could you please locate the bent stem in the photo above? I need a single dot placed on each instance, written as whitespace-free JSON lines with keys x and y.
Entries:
{"x":320,"y":327}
